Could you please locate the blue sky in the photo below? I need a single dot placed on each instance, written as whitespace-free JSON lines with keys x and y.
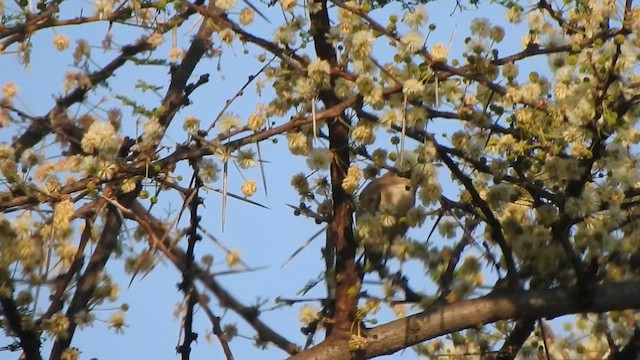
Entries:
{"x":265,"y":237}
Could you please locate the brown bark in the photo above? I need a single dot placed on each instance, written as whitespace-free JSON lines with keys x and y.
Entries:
{"x":440,"y":320}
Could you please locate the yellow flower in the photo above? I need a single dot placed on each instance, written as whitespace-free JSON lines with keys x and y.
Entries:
{"x":413,"y":41}
{"x":226,"y":4}
{"x":57,"y":326}
{"x":357,"y":342}
{"x":101,"y":138}
{"x":412,"y":87}
{"x":256,"y":121}
{"x":350,"y":182}
{"x":439,"y":52}
{"x":128,"y":185}
{"x":208,"y":171}
{"x":152,"y":131}
{"x":106,"y":170}
{"x":249,"y":188}
{"x":116,"y":321}
{"x":191,"y":124}
{"x":9,"y":90}
{"x":226,"y":36}
{"x":246,"y":16}
{"x":299,"y":143}
{"x":66,"y":253}
{"x":60,"y":42}
{"x":288,"y":5}
{"x":233,"y":258}
{"x":400,"y":310}
{"x":246,"y":159}
{"x":363,"y":133}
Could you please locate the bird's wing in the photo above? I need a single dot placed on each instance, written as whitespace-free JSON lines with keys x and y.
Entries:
{"x":370,"y":198}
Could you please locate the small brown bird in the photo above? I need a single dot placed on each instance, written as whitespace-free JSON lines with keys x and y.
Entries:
{"x":394,"y":195}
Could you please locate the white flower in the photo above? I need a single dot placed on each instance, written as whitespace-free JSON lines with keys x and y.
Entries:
{"x":285,"y":36}
{"x":226,"y":4}
{"x":497,"y":33}
{"x":7,"y":152}
{"x":308,"y":314}
{"x":418,"y":17}
{"x":318,"y":70}
{"x":412,"y":87}
{"x":369,"y":229}
{"x":391,"y":117}
{"x":103,"y":8}
{"x":361,"y":43}
{"x":413,"y":41}
{"x":477,"y":45}
{"x":191,"y":124}
{"x":344,"y":88}
{"x":175,"y":54}
{"x":480,"y":26}
{"x":439,"y":52}
{"x":374,"y":97}
{"x":246,"y":159}
{"x":514,"y":14}
{"x":510,"y":70}
{"x":60,"y":42}
{"x":536,"y":20}
{"x":152,"y":131}
{"x":300,"y":183}
{"x":228,"y":122}
{"x":208,"y":171}
{"x":304,"y":88}
{"x":89,"y":166}
{"x":319,"y":159}
{"x":101,"y":138}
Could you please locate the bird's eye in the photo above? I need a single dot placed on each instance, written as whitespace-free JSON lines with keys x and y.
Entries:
{"x":408,"y":188}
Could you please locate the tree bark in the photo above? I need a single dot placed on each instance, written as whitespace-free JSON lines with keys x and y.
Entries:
{"x":440,"y":320}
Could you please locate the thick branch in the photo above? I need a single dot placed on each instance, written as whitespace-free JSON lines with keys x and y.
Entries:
{"x":88,"y":281}
{"x":29,"y":340}
{"x":440,"y":320}
{"x":340,"y":229}
{"x":516,"y":339}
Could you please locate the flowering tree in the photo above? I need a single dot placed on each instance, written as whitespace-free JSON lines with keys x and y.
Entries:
{"x":529,"y":177}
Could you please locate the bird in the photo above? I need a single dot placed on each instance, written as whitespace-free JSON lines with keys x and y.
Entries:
{"x":390,"y":195}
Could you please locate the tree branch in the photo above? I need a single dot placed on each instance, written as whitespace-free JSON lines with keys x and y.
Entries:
{"x":440,"y":320}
